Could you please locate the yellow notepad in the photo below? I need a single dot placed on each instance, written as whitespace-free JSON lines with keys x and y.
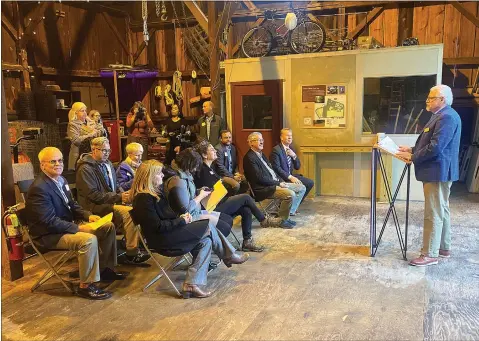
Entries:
{"x":212,"y":200}
{"x":102,"y":221}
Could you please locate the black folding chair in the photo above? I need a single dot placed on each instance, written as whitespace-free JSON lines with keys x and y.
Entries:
{"x":271,"y":208}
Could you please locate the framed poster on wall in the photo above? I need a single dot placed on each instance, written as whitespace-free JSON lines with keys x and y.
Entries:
{"x":324,"y":106}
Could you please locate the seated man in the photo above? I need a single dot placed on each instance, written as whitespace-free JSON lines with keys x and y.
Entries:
{"x":266,"y":184}
{"x":99,"y":192}
{"x":55,"y":221}
{"x":284,"y":159}
{"x":227,"y":158}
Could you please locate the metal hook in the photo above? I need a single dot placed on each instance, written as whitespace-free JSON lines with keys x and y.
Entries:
{"x":164,"y":17}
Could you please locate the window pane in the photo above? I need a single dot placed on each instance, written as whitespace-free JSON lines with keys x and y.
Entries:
{"x":257,"y":112}
{"x":396,"y":105}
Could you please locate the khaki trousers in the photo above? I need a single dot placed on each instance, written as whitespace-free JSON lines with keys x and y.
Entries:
{"x":122,"y":219}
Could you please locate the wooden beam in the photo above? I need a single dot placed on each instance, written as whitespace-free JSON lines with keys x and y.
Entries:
{"x":9,"y":27}
{"x":465,"y":12}
{"x":220,"y":26}
{"x":370,"y":17}
{"x":117,"y":111}
{"x":214,"y":53}
{"x":258,"y":22}
{"x":342,"y":20}
{"x":50,"y":71}
{"x":198,"y":14}
{"x":461,"y":61}
{"x":117,"y":34}
{"x":36,"y":17}
{"x":137,"y":26}
{"x":142,"y":46}
{"x":405,"y":22}
{"x":250,"y":5}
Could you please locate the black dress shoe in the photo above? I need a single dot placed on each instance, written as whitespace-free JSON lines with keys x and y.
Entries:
{"x":134,"y":260}
{"x":92,"y":292}
{"x":109,"y":275}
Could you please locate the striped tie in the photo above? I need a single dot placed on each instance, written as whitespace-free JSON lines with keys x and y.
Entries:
{"x":289,"y":161}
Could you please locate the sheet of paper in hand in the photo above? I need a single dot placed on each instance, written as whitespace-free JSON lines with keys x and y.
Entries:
{"x":212,"y":200}
{"x":388,"y":145}
{"x":102,"y":221}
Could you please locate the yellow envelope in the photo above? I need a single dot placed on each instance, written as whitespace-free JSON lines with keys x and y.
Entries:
{"x":211,"y":201}
{"x":102,"y":221}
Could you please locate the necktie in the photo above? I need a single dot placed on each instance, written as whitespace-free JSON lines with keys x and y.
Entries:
{"x":230,"y":161}
{"x":104,"y":170}
{"x":289,"y":160}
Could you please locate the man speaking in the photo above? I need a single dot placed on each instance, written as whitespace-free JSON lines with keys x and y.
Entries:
{"x":436,"y":162}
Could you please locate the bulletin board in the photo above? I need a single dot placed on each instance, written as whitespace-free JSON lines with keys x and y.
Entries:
{"x":323,"y":106}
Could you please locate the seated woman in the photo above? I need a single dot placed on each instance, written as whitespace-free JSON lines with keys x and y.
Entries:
{"x":180,"y":191}
{"x":241,"y":204}
{"x":127,"y":169}
{"x":172,"y":236}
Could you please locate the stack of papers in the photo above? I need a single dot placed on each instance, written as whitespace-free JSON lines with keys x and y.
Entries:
{"x":211,"y":201}
{"x":388,"y":145}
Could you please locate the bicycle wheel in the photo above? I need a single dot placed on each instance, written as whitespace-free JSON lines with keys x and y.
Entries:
{"x":308,"y":37}
{"x":257,"y":42}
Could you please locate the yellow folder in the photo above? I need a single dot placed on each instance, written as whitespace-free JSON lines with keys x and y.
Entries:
{"x":102,"y":221}
{"x":212,"y":200}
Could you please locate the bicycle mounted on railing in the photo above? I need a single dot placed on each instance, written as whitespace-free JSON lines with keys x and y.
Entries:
{"x":306,"y":37}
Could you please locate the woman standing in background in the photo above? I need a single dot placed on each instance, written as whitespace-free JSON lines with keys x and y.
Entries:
{"x":173,"y":128}
{"x":138,"y":124}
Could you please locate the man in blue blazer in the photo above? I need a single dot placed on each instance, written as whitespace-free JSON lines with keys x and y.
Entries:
{"x":284,"y":159}
{"x":56,"y":220}
{"x":436,"y":162}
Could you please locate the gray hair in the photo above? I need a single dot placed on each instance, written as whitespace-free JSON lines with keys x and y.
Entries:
{"x":45,"y":151}
{"x":99,"y":142}
{"x":133,"y":147}
{"x":252,"y":136}
{"x":445,"y":92}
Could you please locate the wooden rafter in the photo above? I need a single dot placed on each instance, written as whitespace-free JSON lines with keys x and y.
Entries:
{"x":198,"y":14}
{"x":117,"y":34}
{"x":465,"y":12}
{"x":9,"y":27}
{"x":37,"y":17}
{"x":220,"y":26}
{"x":142,"y":46}
{"x":370,"y":17}
{"x":250,"y":5}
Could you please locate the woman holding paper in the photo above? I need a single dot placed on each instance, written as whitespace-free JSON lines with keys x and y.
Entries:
{"x":237,"y":205}
{"x":173,"y":236}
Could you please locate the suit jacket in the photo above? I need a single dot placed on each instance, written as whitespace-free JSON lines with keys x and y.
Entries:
{"x":217,"y":124}
{"x":223,"y":158}
{"x":279,"y":161}
{"x":436,"y":153}
{"x":47,"y":212}
{"x":258,"y":175}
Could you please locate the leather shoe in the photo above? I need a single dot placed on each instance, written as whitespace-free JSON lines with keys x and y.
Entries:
{"x":285,"y":224}
{"x":109,"y":275}
{"x":192,"y":290}
{"x":236,"y":259}
{"x":92,"y":292}
{"x":249,"y":245}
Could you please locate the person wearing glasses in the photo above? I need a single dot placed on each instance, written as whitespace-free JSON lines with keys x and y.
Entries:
{"x":79,"y":131}
{"x":57,"y":221}
{"x":127,"y":169}
{"x":436,"y":163}
{"x":99,"y":192}
{"x":266,"y":184}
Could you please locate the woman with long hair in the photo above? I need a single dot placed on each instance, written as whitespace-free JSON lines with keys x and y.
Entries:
{"x":79,"y":132}
{"x":172,"y":235}
{"x":139,"y":124}
{"x":174,"y":129}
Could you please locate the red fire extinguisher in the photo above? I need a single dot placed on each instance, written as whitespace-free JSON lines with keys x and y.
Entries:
{"x":12,"y":228}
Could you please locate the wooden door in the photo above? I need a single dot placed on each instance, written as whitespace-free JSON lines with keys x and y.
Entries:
{"x":257,"y":106}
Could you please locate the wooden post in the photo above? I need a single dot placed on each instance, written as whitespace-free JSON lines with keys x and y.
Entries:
{"x":117,"y":110}
{"x":11,"y":270}
{"x":214,"y":52}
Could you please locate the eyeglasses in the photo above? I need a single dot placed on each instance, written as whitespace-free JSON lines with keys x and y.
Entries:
{"x":259,"y":140}
{"x":430,"y":99}
{"x":104,"y":151}
{"x":54,"y":162}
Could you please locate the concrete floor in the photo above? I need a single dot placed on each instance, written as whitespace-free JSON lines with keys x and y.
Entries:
{"x":314,"y":282}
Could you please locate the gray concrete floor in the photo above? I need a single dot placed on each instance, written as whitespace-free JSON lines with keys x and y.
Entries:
{"x":314,"y":282}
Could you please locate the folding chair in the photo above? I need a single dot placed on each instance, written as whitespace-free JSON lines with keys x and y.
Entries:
{"x":271,"y":207}
{"x":54,"y":266}
{"x":175,"y":261}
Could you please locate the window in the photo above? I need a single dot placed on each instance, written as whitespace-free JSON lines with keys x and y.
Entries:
{"x":396,"y":105}
{"x":257,"y":112}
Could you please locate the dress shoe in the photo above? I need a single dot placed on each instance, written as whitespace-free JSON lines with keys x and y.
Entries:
{"x":285,"y":224}
{"x":249,"y":245}
{"x":271,"y":221}
{"x":92,"y":292}
{"x":192,"y":290}
{"x":444,"y":253}
{"x":109,"y":275}
{"x":139,"y":258}
{"x":236,"y":259}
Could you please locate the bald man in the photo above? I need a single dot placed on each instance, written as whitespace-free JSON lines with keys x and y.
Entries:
{"x":210,"y":124}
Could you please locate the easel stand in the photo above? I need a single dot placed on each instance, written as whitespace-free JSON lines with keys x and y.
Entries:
{"x":374,"y":239}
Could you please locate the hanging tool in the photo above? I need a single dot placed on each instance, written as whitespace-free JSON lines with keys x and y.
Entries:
{"x":144,"y":15}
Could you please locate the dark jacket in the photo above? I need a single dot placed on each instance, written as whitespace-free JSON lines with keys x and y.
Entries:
{"x":279,"y":161}
{"x":436,"y":153}
{"x":217,"y":124}
{"x":125,"y":175}
{"x":223,"y":157}
{"x":180,"y":190}
{"x":258,"y":176}
{"x":93,"y":191}
{"x":47,"y":212}
{"x":165,"y":233}
{"x":207,"y":177}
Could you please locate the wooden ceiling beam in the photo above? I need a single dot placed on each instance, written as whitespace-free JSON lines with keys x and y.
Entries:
{"x":9,"y":27}
{"x":142,"y":46}
{"x":370,"y":17}
{"x":465,"y":12}
{"x":250,"y":5}
{"x":35,"y":18}
{"x":117,"y":34}
{"x":198,"y":14}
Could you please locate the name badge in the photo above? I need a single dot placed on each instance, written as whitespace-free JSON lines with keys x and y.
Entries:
{"x":67,"y":188}
{"x":226,"y":154}
{"x":426,"y":130}
{"x":212,"y":173}
{"x":203,"y":124}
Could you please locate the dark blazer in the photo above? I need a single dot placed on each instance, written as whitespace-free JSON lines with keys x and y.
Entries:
{"x":258,"y":176}
{"x":436,"y":153}
{"x":217,"y":125}
{"x":223,"y":157}
{"x":279,"y":161}
{"x":206,"y":176}
{"x":47,"y":212}
{"x":166,"y":234}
